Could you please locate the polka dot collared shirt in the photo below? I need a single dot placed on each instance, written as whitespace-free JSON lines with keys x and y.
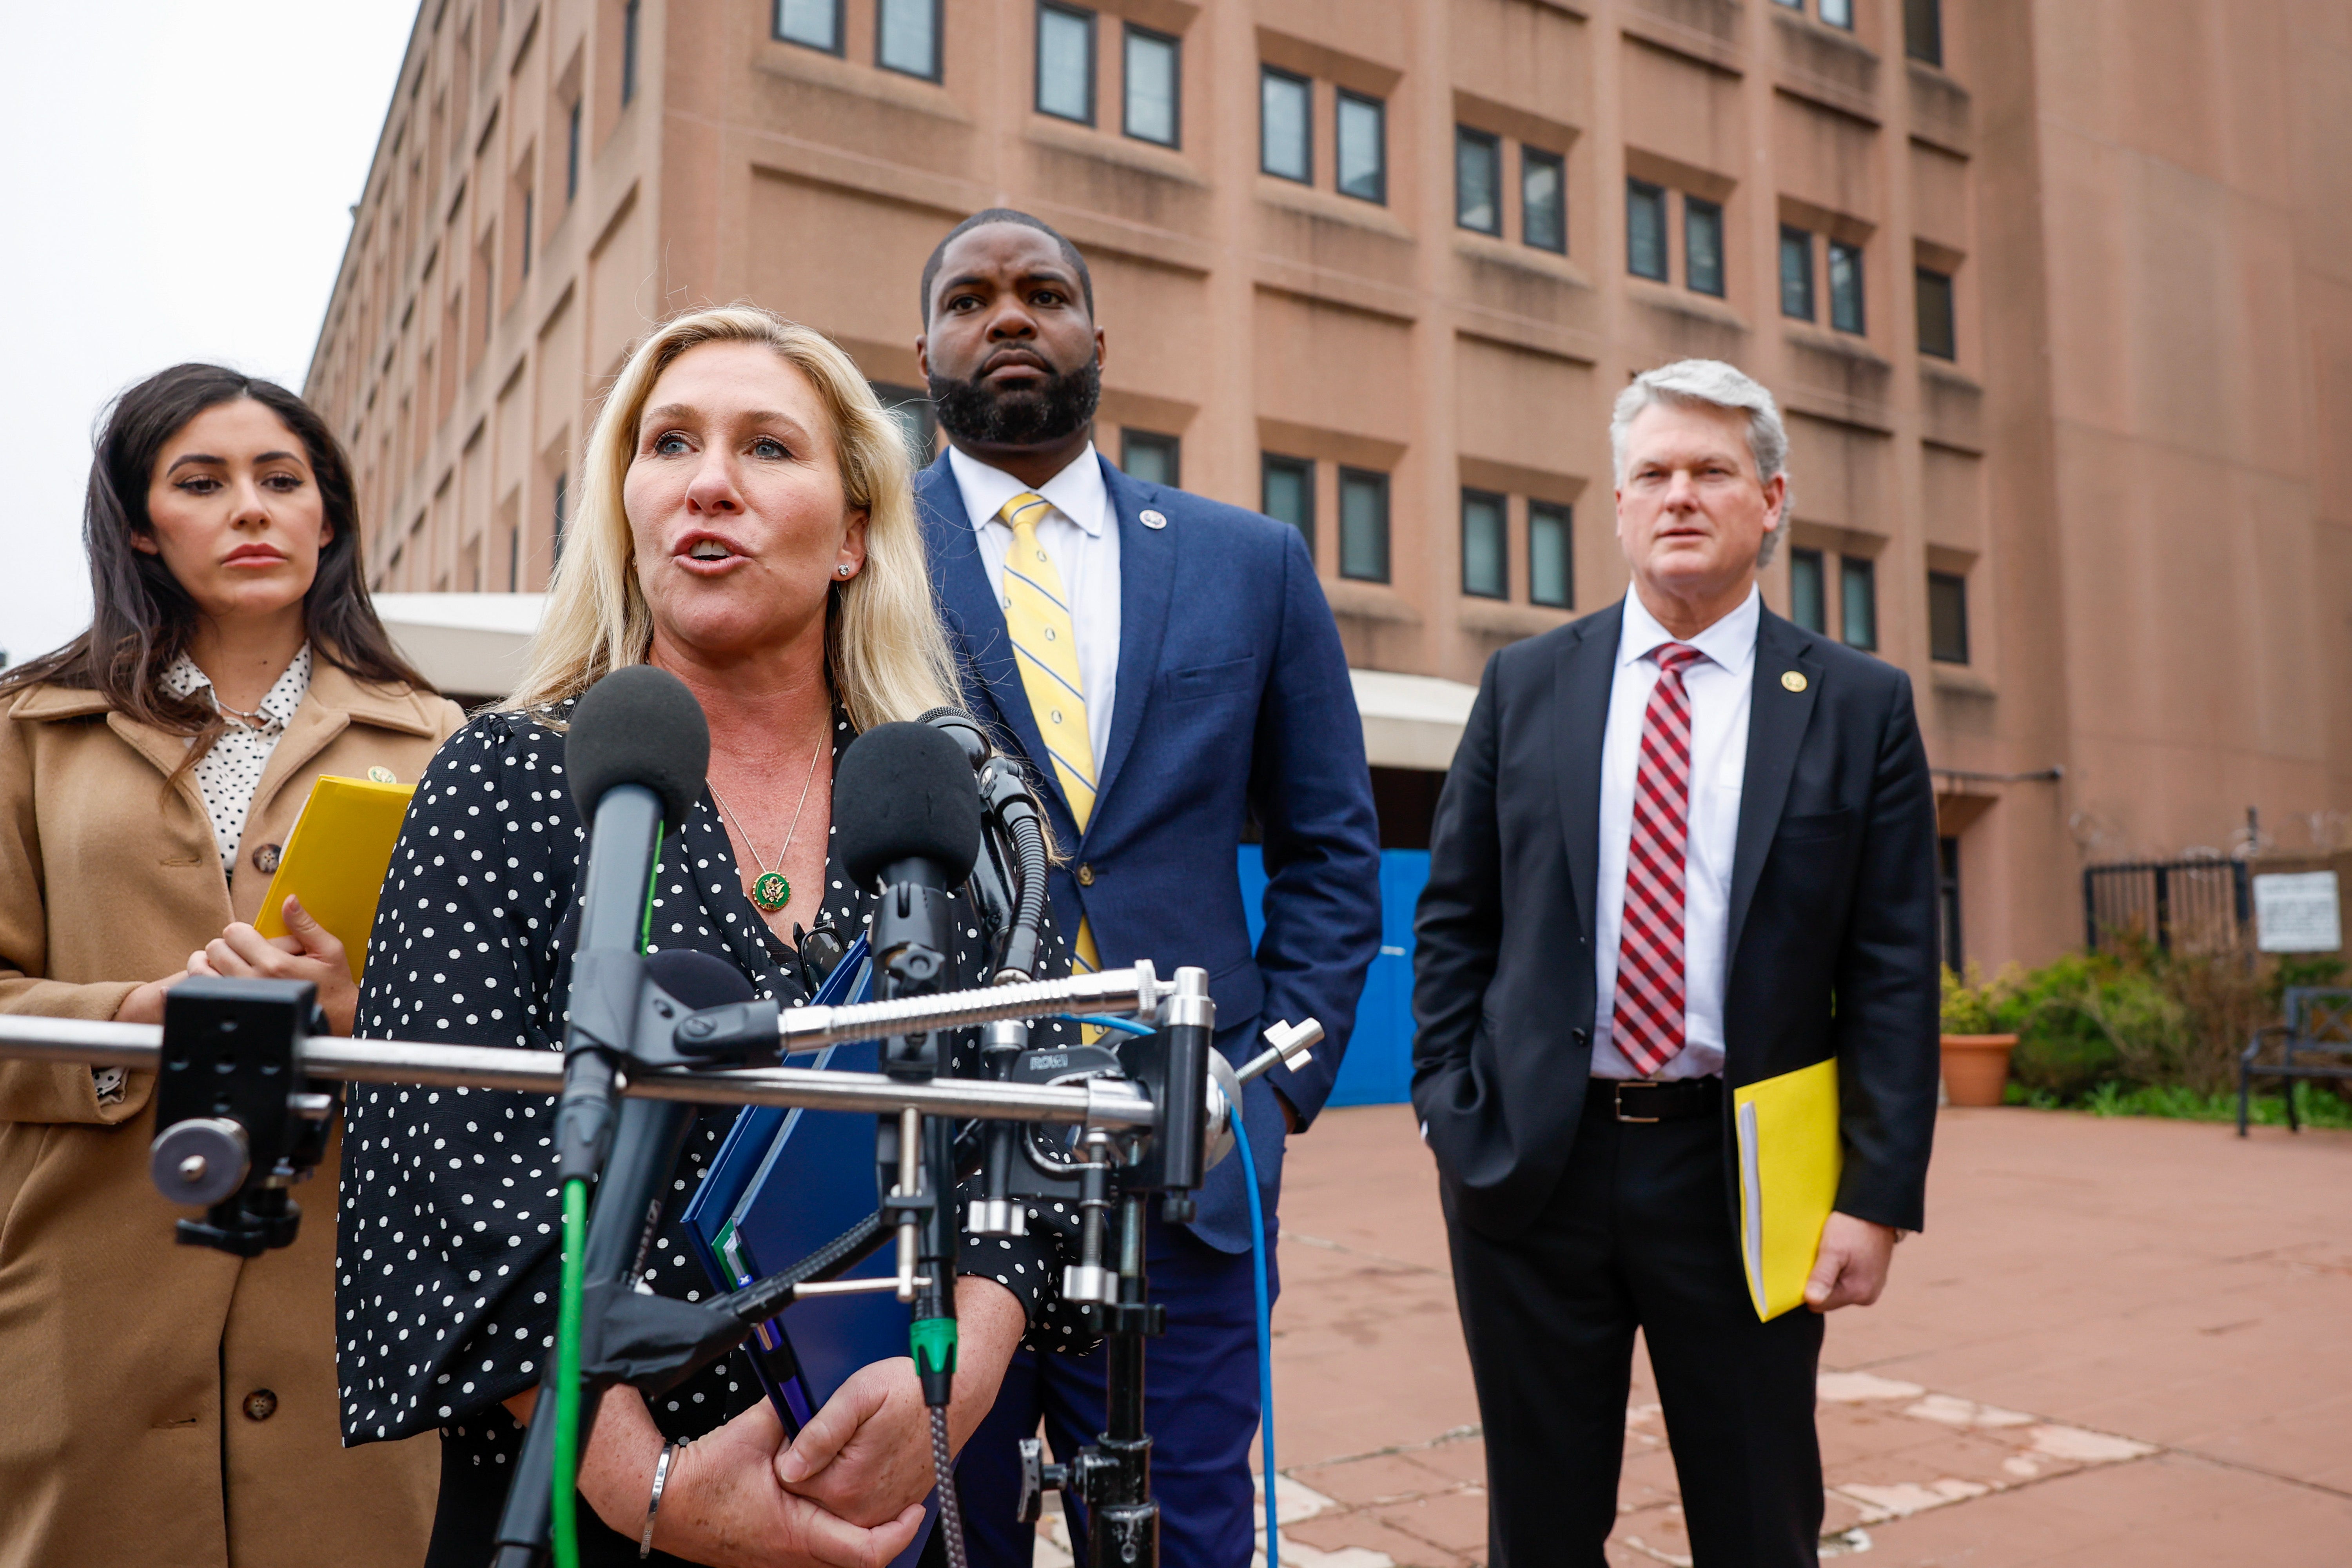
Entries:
{"x":230,"y":769}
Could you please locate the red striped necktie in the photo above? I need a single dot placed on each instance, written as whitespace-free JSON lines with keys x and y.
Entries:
{"x":1648,"y":1018}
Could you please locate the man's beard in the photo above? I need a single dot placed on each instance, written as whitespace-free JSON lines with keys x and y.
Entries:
{"x":1032,"y":416}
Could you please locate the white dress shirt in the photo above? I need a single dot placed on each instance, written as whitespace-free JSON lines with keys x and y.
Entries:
{"x":1721,"y":688}
{"x":1081,"y":534}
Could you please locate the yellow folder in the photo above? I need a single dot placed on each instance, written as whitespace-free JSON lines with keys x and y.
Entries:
{"x":336,"y":858}
{"x":1788,"y":1163}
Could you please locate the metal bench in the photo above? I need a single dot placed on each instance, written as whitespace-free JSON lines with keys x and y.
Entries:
{"x":2318,"y":1025}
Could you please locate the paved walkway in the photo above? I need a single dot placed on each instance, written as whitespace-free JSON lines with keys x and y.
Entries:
{"x":2121,"y":1342}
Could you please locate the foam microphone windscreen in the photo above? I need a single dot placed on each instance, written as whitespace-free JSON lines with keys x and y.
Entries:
{"x":639,"y":725}
{"x":696,"y":978}
{"x":904,"y":791}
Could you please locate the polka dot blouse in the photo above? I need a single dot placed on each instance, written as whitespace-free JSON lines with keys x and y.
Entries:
{"x":450,"y":1231}
{"x":230,"y":770}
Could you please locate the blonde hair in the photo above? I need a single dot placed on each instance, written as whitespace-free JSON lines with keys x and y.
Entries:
{"x":885,"y":655}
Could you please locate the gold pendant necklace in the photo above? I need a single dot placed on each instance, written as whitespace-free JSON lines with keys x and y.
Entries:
{"x":771,"y":890}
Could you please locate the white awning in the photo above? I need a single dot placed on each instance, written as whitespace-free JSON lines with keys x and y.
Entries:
{"x":472,"y":644}
{"x":1410,"y":720}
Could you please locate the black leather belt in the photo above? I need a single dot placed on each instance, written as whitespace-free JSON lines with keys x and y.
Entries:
{"x":1639,"y":1101}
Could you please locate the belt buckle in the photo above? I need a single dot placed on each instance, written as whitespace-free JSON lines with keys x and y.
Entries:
{"x":1622,"y":1085}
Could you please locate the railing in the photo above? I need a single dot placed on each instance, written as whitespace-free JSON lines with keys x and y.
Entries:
{"x":2185,"y":906}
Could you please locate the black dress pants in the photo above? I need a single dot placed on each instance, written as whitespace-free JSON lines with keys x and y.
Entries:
{"x":1637,"y":1235}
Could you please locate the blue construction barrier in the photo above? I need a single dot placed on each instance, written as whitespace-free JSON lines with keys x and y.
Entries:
{"x":1378,"y":1068}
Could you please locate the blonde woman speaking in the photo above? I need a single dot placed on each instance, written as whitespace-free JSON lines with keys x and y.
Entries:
{"x":747,"y":523}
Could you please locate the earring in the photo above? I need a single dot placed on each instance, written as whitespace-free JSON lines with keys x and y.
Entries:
{"x":843,"y":569}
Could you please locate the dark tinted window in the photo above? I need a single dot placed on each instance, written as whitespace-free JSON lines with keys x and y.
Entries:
{"x":1543,"y":199}
{"x":1808,"y":602}
{"x":1845,"y":287}
{"x":1486,"y":550}
{"x":1923,"y":31}
{"x":1645,"y":230}
{"x":1796,"y":273}
{"x":1286,"y":493}
{"x":1938,"y":332}
{"x":1363,"y":148}
{"x":1947,"y":617}
{"x":1478,"y":180}
{"x":1149,"y":458}
{"x":1551,"y":559}
{"x":1363,"y":525}
{"x":1286,"y":145}
{"x":1703,"y":246}
{"x":1858,"y":593}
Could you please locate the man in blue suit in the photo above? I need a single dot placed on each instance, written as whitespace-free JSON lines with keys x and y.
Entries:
{"x":1169,"y":667}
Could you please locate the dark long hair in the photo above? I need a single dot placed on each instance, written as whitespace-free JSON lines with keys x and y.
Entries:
{"x":142,"y":617}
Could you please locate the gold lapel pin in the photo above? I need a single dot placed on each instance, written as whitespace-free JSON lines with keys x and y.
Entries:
{"x":1793,"y":680}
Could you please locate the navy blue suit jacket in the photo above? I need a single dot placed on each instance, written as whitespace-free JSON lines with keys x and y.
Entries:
{"x":1233,"y":699}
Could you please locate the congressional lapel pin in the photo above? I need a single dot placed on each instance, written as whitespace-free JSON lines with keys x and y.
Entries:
{"x":1793,"y":680}
{"x":1154,"y":519}
{"x":381,"y":774}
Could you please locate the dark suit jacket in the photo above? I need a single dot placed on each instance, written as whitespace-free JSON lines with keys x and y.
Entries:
{"x":1832,"y":934}
{"x":1233,"y":699}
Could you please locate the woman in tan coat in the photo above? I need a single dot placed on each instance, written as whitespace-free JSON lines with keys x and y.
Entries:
{"x":174,"y":1404}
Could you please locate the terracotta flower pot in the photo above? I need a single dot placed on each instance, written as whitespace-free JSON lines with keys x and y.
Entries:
{"x":1976,"y":1067}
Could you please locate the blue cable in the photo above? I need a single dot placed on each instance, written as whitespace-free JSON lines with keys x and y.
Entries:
{"x":1264,"y":1331}
{"x":1105,"y":1021}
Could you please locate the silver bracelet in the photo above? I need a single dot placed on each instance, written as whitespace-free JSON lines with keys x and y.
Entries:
{"x":653,"y":1504}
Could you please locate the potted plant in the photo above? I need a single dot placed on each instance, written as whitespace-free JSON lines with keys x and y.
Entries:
{"x":1975,"y":1054}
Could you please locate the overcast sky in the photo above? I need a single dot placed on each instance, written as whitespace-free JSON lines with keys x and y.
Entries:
{"x":176,"y":178}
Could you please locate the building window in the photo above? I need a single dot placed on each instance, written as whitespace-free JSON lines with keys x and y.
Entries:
{"x":1363,"y":525}
{"x":1149,"y":458}
{"x":562,"y":510}
{"x":1645,"y":230}
{"x":1485,"y":548}
{"x":1807,"y":601}
{"x":1286,"y":144}
{"x":912,"y":411}
{"x":629,"y":52}
{"x":1286,"y":493}
{"x":812,"y":23}
{"x":1363,"y":150}
{"x":1947,"y":617}
{"x":530,"y":211}
{"x":1939,"y":335}
{"x":1791,"y":4}
{"x":907,"y":38}
{"x":1551,"y":562}
{"x":1838,"y":14}
{"x":1948,"y":900}
{"x":1703,"y":246}
{"x":1845,"y":287}
{"x":1153,"y":81}
{"x":1796,"y":273}
{"x":1065,"y":63}
{"x":572,"y":154}
{"x":1478,"y":180}
{"x":1543,"y":199}
{"x":1858,"y":603}
{"x":1923,"y":31}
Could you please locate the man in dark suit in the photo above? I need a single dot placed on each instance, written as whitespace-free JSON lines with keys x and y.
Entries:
{"x":1169,"y":667}
{"x":1684,"y":847}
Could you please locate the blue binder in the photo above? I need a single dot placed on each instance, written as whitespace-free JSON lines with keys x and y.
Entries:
{"x":783,"y":1184}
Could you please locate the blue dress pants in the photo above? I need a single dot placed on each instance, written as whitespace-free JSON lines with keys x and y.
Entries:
{"x":1201,"y":1407}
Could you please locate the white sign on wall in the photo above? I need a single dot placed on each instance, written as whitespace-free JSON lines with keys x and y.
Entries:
{"x":2298,"y":912}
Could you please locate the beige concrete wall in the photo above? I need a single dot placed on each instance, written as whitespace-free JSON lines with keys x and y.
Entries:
{"x":2138,"y":458}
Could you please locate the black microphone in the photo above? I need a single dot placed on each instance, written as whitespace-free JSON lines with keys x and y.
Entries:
{"x":906,"y":817}
{"x":637,"y":754}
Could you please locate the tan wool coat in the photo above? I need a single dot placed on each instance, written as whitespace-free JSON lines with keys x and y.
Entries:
{"x":160,"y":1403}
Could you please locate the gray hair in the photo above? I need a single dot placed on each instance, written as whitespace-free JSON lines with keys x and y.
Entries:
{"x":1710,"y":383}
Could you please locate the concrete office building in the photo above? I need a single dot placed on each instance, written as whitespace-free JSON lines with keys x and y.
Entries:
{"x":2057,"y":295}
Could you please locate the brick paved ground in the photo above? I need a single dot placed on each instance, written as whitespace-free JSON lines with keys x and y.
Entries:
{"x":2121,"y":1342}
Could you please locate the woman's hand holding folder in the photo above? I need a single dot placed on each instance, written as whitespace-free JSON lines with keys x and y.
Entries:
{"x":308,"y":952}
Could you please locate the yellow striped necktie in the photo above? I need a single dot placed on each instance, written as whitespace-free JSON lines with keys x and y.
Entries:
{"x":1045,"y":646}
